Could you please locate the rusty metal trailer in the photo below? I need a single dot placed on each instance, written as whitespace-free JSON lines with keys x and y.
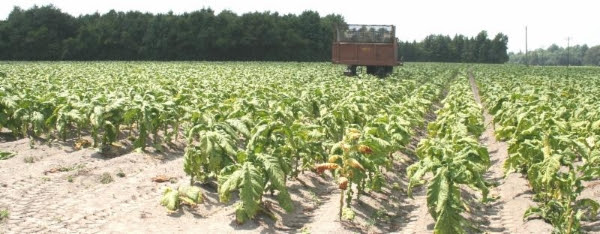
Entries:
{"x":373,"y":46}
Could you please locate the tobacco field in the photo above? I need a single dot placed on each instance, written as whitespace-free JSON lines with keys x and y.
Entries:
{"x":222,"y":147}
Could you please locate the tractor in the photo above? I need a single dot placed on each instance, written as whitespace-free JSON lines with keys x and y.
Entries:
{"x":373,"y":46}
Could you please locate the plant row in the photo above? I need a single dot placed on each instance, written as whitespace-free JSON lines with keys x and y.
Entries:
{"x":451,"y":158}
{"x":552,"y":125}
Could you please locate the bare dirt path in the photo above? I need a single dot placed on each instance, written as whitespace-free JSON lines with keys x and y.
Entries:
{"x":327,"y":218}
{"x":418,"y":219}
{"x":505,"y":215}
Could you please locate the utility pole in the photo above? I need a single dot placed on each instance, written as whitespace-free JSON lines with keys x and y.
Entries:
{"x":568,"y":55}
{"x":526,"y":53}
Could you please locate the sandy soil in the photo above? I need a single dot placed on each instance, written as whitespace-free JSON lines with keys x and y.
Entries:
{"x":591,"y":191}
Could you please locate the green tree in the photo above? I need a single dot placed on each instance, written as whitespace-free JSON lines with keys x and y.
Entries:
{"x":482,"y":46}
{"x":554,"y":55}
{"x":441,"y":48}
{"x":37,"y":33}
{"x":592,"y":56}
{"x":45,"y":33}
{"x":498,"y":49}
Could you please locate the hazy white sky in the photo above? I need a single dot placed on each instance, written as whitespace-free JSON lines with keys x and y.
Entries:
{"x":549,"y":21}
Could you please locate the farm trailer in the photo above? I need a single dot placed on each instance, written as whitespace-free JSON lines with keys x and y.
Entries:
{"x":373,"y":46}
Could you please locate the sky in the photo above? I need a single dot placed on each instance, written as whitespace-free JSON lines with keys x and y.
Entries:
{"x":548,"y":22}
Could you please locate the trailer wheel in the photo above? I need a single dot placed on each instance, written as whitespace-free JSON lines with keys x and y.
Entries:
{"x":350,"y":70}
{"x":383,"y":71}
{"x":389,"y":70}
{"x":372,"y":70}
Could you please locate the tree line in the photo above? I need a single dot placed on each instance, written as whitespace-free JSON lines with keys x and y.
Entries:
{"x":47,"y":33}
{"x":460,"y":48}
{"x":559,"y":56}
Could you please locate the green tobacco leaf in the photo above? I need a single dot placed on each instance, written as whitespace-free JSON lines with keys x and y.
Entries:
{"x":532,"y":211}
{"x":277,"y":178}
{"x":416,"y":172}
{"x":240,"y":126}
{"x":503,"y":133}
{"x":170,"y":199}
{"x":229,"y":183}
{"x":194,"y":193}
{"x":549,"y":168}
{"x":596,"y":126}
{"x":589,"y":207}
{"x":438,"y":193}
{"x":251,"y":189}
{"x":449,"y":222}
{"x":498,"y":105}
{"x":442,"y":198}
{"x":240,"y":213}
{"x":582,"y":148}
{"x":591,"y":141}
{"x":192,"y":162}
{"x":6,"y":155}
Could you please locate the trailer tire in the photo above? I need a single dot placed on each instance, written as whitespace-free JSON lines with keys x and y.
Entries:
{"x":372,"y":70}
{"x":350,"y":70}
{"x":383,"y":71}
